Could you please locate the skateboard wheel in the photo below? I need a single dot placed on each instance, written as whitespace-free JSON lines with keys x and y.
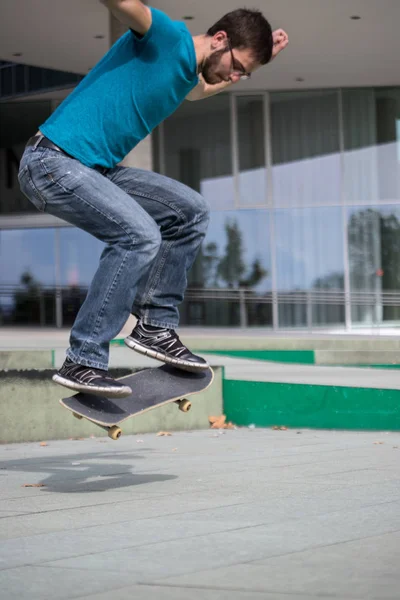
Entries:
{"x":114,"y":432}
{"x":77,"y":416}
{"x":184,"y":405}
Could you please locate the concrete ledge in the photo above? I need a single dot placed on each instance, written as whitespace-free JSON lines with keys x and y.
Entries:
{"x":30,"y":411}
{"x":357,"y":357}
{"x":236,"y":341}
{"x":26,"y":359}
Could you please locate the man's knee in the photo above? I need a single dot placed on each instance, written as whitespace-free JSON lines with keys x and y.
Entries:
{"x":145,"y":238}
{"x":153,"y":242}
{"x":197,"y":211}
{"x":204,"y":212}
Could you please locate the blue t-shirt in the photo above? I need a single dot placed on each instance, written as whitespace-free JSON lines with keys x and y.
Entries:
{"x":134,"y":87}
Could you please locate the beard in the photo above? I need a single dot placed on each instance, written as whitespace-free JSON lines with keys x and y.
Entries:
{"x":209,"y":69}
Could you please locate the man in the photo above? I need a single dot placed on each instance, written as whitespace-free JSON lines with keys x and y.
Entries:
{"x":152,"y":226}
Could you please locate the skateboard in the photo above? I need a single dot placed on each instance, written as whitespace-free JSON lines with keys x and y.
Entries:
{"x":151,"y":388}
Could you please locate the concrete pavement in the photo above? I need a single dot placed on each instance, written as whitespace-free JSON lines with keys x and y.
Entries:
{"x":209,"y":515}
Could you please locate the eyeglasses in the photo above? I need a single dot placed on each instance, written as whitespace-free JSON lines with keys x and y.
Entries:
{"x":237,"y":67}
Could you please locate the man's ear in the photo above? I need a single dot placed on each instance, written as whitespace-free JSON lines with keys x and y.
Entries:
{"x":219,"y":40}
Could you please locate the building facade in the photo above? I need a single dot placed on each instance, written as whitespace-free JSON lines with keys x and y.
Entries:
{"x":304,"y":191}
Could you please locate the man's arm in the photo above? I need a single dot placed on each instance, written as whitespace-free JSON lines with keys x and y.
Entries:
{"x":132,"y":13}
{"x":205,"y":90}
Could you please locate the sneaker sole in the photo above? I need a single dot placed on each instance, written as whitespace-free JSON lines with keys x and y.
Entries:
{"x":122,"y":392}
{"x":184,"y":365}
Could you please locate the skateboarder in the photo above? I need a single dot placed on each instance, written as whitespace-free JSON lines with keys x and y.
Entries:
{"x":152,"y":226}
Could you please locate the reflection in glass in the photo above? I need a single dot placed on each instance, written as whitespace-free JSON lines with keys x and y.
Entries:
{"x":197,"y":141}
{"x":19,"y":121}
{"x":79,"y":259}
{"x":305,"y":149}
{"x":231,"y":275}
{"x":371,"y":126}
{"x":309,"y":257}
{"x":374,"y":257}
{"x":252,"y":155}
{"x":27,"y":276}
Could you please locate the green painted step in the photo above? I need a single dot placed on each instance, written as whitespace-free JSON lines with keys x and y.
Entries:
{"x":305,"y":357}
{"x":266,"y":404}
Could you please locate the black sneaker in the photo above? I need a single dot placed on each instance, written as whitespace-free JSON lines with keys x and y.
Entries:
{"x":165,"y":345}
{"x":90,"y":380}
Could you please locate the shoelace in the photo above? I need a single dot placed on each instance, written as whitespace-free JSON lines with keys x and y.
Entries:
{"x":85,"y":374}
{"x":165,"y":341}
{"x":168,"y":346}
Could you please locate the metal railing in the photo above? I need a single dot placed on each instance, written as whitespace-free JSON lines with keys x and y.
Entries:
{"x":58,"y":306}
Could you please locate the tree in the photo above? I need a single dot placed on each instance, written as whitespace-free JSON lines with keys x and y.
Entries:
{"x":256,"y":275}
{"x":333,"y":281}
{"x":374,"y":245}
{"x":210,"y":264}
{"x":28,"y":300}
{"x":231,"y":266}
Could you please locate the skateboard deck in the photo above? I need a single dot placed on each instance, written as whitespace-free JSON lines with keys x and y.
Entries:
{"x":151,"y":388}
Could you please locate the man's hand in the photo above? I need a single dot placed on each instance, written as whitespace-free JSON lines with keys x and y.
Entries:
{"x":205,"y":90}
{"x":132,"y":13}
{"x":281,"y":40}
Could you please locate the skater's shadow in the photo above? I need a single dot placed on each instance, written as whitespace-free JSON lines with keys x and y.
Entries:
{"x":81,"y":473}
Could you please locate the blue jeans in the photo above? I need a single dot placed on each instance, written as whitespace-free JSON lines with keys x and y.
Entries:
{"x":152,"y":227}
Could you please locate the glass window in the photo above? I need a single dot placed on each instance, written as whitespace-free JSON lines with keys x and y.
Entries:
{"x":79,"y":259}
{"x":35,"y":78}
{"x":27,"y":276}
{"x":374,"y":257}
{"x":310,"y":265}
{"x":371,"y":124}
{"x":197,"y":145}
{"x":252,"y":159}
{"x":231,"y":281}
{"x":19,"y":121}
{"x":360,"y":145}
{"x":305,"y":149}
{"x":20,"y":71}
{"x":388,"y":140}
{"x":6,"y":81}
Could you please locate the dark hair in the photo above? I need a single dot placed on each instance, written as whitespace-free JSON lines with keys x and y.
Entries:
{"x":247,"y":29}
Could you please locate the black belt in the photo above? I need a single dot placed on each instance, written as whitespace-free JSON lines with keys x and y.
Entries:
{"x":41,"y":140}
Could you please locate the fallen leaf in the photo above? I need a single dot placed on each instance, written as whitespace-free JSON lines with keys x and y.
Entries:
{"x":378,"y":442}
{"x":43,"y":443}
{"x":33,"y":485}
{"x":219,"y":423}
{"x":163,"y":433}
